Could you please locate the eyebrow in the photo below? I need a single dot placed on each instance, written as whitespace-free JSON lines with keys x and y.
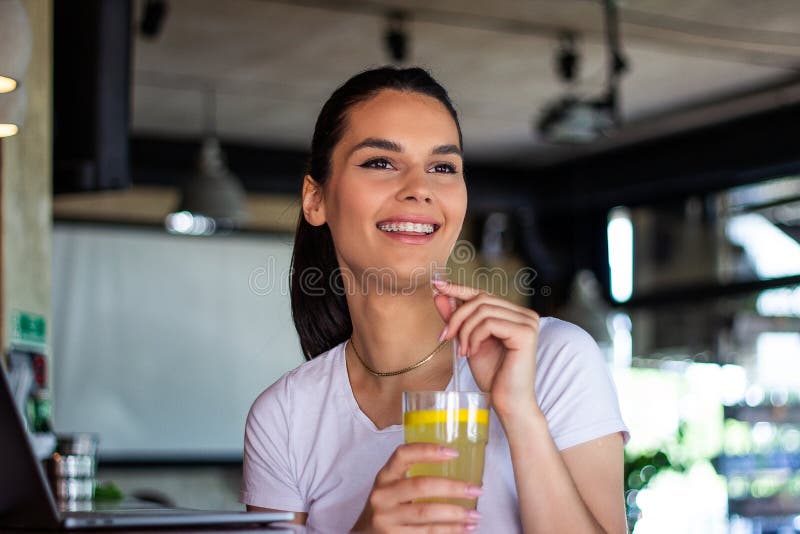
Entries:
{"x":385,"y":144}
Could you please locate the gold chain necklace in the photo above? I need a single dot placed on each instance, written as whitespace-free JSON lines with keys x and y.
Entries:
{"x":420,"y":363}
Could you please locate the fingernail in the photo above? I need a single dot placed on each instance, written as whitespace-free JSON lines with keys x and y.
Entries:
{"x":474,"y":515}
{"x":474,"y":491}
{"x":439,"y":282}
{"x":453,"y":304}
{"x":447,"y":451}
{"x":470,"y":528}
{"x":443,"y":334}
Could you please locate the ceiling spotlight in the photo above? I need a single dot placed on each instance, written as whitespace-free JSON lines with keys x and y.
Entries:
{"x":573,"y":119}
{"x":396,"y":37}
{"x":570,"y":120}
{"x":155,"y":11}
{"x":567,"y":58}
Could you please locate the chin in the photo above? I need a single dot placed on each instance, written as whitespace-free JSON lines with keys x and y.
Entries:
{"x":398,"y":278}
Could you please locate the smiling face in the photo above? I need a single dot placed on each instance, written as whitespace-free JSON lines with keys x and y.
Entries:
{"x":396,"y":196}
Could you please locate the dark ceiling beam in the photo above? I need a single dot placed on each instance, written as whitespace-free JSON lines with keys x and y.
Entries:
{"x":171,"y":162}
{"x":91,"y":86}
{"x":688,"y":294}
{"x":705,"y":160}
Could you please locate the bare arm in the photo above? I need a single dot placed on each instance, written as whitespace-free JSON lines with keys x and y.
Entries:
{"x":577,"y":490}
{"x":299,"y":517}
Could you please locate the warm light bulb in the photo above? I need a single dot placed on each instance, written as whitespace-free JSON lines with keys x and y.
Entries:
{"x":7,"y":84}
{"x":7,"y":130}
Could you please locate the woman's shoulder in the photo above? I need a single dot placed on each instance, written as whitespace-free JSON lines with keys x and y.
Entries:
{"x":305,"y":382}
{"x":574,"y":386}
{"x":556,"y":334}
{"x":564,"y":345}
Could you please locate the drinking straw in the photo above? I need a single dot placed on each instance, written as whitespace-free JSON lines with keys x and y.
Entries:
{"x":456,"y":384}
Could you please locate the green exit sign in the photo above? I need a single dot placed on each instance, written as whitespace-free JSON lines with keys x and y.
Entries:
{"x":27,"y":328}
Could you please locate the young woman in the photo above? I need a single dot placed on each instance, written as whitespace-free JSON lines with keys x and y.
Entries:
{"x":382,"y":206}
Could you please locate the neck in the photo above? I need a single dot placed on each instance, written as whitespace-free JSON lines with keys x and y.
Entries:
{"x":392,"y":332}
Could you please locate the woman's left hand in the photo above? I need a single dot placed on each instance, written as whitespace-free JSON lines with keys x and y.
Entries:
{"x":499,"y":337}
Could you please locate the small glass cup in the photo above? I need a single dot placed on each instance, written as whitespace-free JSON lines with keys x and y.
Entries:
{"x":456,"y":419}
{"x":72,"y":468}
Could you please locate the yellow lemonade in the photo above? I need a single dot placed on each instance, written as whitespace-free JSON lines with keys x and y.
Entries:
{"x":466,"y":430}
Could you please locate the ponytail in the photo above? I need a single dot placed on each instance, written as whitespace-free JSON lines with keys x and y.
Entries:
{"x":320,"y":315}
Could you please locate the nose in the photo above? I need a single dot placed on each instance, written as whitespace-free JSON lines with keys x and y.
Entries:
{"x":415,"y":187}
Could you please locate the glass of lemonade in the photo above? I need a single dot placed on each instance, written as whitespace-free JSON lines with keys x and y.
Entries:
{"x":457,"y":419}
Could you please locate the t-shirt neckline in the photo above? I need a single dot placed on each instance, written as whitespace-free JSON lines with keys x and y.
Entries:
{"x":350,"y":397}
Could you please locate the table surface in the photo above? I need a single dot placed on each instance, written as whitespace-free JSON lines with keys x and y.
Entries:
{"x":273,"y":529}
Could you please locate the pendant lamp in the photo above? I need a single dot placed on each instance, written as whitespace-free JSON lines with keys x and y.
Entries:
{"x":213,"y":199}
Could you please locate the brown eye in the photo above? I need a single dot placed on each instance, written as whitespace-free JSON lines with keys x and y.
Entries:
{"x":445,"y":168}
{"x":377,"y":163}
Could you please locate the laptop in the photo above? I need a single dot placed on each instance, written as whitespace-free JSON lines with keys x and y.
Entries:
{"x":26,"y":500}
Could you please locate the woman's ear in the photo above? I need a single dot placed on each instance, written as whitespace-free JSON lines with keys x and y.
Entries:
{"x":313,"y":206}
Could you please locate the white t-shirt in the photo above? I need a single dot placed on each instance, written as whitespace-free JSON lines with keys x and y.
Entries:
{"x":309,"y":447}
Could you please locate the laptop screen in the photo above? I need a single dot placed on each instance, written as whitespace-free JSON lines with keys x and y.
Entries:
{"x":25,"y":498}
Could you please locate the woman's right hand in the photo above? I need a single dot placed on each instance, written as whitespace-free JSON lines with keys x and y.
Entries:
{"x":390,"y":508}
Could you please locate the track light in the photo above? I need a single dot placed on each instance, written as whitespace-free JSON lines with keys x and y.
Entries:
{"x":155,"y":11}
{"x":396,"y":37}
{"x":570,"y":120}
{"x":567,"y":58}
{"x":573,"y":119}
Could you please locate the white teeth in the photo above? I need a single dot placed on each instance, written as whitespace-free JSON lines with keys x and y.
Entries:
{"x":407,"y":227}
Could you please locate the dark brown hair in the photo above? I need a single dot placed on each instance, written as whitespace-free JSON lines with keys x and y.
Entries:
{"x":319,"y":306}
